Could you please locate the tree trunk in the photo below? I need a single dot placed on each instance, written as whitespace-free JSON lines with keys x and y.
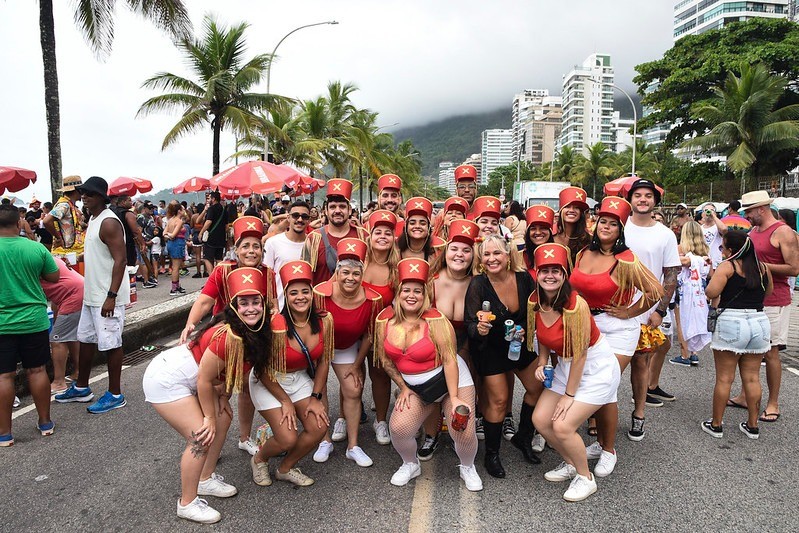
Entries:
{"x":51,"y":102}
{"x":216,"y":125}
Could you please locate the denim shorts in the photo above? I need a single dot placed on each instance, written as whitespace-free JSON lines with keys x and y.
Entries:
{"x":742,"y":331}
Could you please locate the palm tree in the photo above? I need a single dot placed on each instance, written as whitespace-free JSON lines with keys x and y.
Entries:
{"x":219,"y":95}
{"x":747,"y":124}
{"x":594,"y":167}
{"x":565,"y":162}
{"x":95,"y":19}
{"x":339,"y":110}
{"x":647,"y":162}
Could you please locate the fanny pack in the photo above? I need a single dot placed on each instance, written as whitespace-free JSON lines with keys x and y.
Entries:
{"x":433,"y":389}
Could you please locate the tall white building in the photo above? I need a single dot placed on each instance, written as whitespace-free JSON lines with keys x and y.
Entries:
{"x":446,"y":176}
{"x":497,"y":151}
{"x":692,"y":17}
{"x":476,"y":160}
{"x":536,"y":123}
{"x":588,"y":104}
{"x":622,"y":133}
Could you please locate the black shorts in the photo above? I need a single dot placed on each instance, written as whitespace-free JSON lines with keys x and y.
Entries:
{"x":213,"y":253}
{"x":31,"y":349}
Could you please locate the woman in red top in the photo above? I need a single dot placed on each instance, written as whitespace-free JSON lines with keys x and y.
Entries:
{"x":608,"y":275}
{"x":454,"y":209}
{"x":190,"y":385}
{"x":540,"y":219}
{"x":293,"y":379}
{"x":573,"y":232}
{"x":415,"y":343}
{"x":380,"y":275}
{"x":354,"y":308}
{"x":587,"y":374}
{"x":417,"y":239}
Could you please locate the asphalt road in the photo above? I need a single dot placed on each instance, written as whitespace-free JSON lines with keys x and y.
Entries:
{"x":119,"y":472}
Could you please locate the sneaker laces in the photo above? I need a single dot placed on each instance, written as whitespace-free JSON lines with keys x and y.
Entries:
{"x":429,"y":442}
{"x":407,"y":468}
{"x":469,"y":471}
{"x":200,"y":503}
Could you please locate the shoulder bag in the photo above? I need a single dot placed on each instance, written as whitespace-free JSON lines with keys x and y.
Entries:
{"x":714,"y":313}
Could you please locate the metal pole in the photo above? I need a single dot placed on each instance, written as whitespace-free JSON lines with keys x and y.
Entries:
{"x":635,"y":122}
{"x":269,"y":73}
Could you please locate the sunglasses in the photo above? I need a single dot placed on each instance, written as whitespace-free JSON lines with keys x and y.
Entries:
{"x":297,"y":216}
{"x":466,"y":187}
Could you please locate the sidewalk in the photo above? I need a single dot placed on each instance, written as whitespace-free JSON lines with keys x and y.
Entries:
{"x":793,"y":331}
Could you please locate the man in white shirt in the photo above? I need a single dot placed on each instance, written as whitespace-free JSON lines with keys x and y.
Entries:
{"x":656,"y":247}
{"x":287,"y":246}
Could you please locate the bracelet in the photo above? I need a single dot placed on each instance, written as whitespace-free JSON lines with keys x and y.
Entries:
{"x":569,"y":395}
{"x":208,"y":418}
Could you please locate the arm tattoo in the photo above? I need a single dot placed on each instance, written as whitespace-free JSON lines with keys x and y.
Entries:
{"x":391,"y":370}
{"x":197,"y":449}
{"x":669,"y":285}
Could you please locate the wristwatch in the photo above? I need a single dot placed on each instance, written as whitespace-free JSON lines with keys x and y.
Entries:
{"x":661,"y":313}
{"x":112,"y":294}
{"x":317,"y":395}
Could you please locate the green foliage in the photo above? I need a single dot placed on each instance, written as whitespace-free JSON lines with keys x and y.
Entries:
{"x":526,"y":171}
{"x":695,"y":64}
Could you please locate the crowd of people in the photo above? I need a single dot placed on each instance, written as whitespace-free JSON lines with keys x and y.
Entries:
{"x":448,"y":309}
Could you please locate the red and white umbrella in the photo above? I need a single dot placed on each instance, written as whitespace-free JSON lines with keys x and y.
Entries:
{"x":255,"y":177}
{"x":307,"y":185}
{"x":13,"y":179}
{"x":129,"y":186}
{"x":620,"y":186}
{"x":192,"y":185}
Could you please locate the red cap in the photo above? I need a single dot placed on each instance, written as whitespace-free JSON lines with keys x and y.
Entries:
{"x":486,"y":206}
{"x":552,"y":254}
{"x":464,"y":231}
{"x":296,"y":271}
{"x":465,"y":173}
{"x":245,"y":281}
{"x":419,"y":205}
{"x":457,"y":203}
{"x":339,"y":187}
{"x":573,"y":195}
{"x":413,"y":269}
{"x":540,"y":214}
{"x":615,"y":207}
{"x":382,"y":217}
{"x":351,"y":248}
{"x":389,"y":181}
{"x":248,"y":227}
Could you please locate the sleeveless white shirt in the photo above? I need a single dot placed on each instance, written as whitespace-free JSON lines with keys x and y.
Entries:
{"x":99,"y":264}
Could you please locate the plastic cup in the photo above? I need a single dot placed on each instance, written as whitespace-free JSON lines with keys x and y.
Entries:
{"x":72,"y":258}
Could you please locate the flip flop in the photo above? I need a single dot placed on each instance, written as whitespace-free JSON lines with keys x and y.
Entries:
{"x":763,"y":418}
{"x":732,"y":403}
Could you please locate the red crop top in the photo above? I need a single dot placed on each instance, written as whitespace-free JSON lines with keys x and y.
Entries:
{"x":552,"y":336}
{"x":597,"y":289}
{"x":350,"y":324}
{"x":295,"y":359}
{"x":216,"y":345}
{"x":417,"y":358}
{"x":385,"y":291}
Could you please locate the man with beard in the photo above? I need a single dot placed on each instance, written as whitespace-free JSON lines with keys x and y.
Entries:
{"x":775,"y":245}
{"x":320,"y":246}
{"x":656,"y":247}
{"x":389,"y":197}
{"x":681,"y":216}
{"x":288,"y":245}
{"x":466,"y":185}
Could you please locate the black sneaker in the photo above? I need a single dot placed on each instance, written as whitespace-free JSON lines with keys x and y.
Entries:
{"x":181,"y":290}
{"x":508,"y":427}
{"x":148,"y":285}
{"x":659,"y":393}
{"x":153,"y":280}
{"x":205,"y":274}
{"x":752,"y":433}
{"x":636,"y":432}
{"x":139,"y":279}
{"x":713,"y":431}
{"x":428,"y":448}
{"x":651,"y":401}
{"x":197,"y":275}
{"x":478,"y":427}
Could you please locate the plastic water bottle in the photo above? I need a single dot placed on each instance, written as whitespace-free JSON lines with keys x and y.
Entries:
{"x":515,"y":347}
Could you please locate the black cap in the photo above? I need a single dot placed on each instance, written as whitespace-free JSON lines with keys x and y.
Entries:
{"x":642,"y":183}
{"x":96,"y":185}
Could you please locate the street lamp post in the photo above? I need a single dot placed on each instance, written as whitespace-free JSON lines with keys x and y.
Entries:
{"x":269,"y":72}
{"x":635,"y":116}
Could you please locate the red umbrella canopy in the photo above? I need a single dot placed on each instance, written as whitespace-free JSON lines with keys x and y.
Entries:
{"x":15,"y":179}
{"x":307,"y":185}
{"x":259,"y":177}
{"x":620,"y":186}
{"x":129,"y":186}
{"x":192,"y":185}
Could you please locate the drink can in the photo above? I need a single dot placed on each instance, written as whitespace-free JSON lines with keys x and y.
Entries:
{"x":460,"y":418}
{"x":549,"y":373}
{"x":510,"y":328}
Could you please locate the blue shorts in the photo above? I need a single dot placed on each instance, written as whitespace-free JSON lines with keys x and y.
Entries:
{"x":742,"y":331}
{"x":176,"y":248}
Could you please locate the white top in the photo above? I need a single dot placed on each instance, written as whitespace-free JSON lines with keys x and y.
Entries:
{"x":656,"y":247}
{"x":713,"y":239}
{"x":278,"y":251}
{"x":156,"y":242}
{"x":99,"y":264}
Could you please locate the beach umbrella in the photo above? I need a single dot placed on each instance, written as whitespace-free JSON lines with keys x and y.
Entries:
{"x":620,"y":186}
{"x":129,"y":186}
{"x":308,"y":185}
{"x":15,"y":179}
{"x":192,"y":185}
{"x":259,"y":177}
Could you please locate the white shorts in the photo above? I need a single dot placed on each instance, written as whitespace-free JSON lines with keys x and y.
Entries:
{"x":346,"y":356}
{"x":778,"y":317}
{"x":297,"y":385}
{"x":170,"y":376}
{"x":601,"y":375}
{"x":105,"y":332}
{"x":464,"y":376}
{"x":622,"y":335}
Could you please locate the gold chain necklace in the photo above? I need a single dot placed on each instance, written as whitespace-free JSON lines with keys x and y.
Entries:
{"x":297,"y":326}
{"x":388,"y":256}
{"x":603,"y":252}
{"x":420,"y":250}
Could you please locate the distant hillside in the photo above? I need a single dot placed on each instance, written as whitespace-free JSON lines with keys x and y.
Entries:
{"x":456,"y":138}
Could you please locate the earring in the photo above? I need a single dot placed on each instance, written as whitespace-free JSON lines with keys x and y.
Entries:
{"x":508,"y":266}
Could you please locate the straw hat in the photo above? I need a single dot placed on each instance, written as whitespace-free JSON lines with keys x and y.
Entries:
{"x":754,"y":199}
{"x":70,"y":183}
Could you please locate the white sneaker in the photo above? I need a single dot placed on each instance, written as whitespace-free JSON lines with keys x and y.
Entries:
{"x":260,"y":473}
{"x":381,"y":433}
{"x":323,"y":452}
{"x":581,"y":488}
{"x":17,"y":402}
{"x":294,"y":475}
{"x":406,"y":472}
{"x":248,"y":446}
{"x":359,"y":456}
{"x":563,"y":472}
{"x":339,"y":430}
{"x":538,"y":442}
{"x":471,"y":478}
{"x":594,"y":451}
{"x":606,"y":464}
{"x":216,"y":486}
{"x":199,"y":511}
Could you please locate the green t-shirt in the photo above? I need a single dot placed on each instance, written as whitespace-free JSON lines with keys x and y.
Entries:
{"x":23,"y":305}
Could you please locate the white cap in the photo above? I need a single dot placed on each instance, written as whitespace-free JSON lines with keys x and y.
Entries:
{"x":285,"y":198}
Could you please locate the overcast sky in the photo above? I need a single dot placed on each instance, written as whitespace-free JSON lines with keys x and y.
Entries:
{"x":414,"y":61}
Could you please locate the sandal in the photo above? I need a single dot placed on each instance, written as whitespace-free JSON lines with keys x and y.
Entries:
{"x":592,"y":431}
{"x":763,"y":417}
{"x":733,"y":403}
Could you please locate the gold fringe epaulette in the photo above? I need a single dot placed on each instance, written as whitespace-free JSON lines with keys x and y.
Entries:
{"x":271,"y":286}
{"x":234,"y":358}
{"x":379,"y":336}
{"x":632,"y":274}
{"x":277,"y":353}
{"x":310,"y":252}
{"x":576,"y":325}
{"x":328,"y":337}
{"x":442,"y":334}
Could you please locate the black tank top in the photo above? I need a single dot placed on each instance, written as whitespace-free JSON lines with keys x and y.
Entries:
{"x":746,"y":298}
{"x":130,"y":245}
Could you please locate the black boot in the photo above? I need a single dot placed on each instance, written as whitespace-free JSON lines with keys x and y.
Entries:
{"x":523,"y":439}
{"x":493,"y":438}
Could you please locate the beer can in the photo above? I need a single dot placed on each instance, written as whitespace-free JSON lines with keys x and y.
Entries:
{"x":460,"y":418}
{"x":549,"y":373}
{"x":510,"y":329}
